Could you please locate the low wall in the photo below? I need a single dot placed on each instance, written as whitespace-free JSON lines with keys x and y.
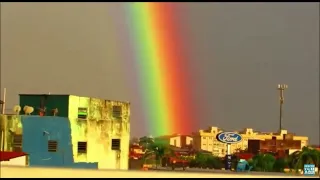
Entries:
{"x":32,"y":172}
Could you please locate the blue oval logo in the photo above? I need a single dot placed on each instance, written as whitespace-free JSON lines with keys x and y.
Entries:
{"x":229,"y":137}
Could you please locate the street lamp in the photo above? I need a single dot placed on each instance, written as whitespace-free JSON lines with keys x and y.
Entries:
{"x":281,"y":88}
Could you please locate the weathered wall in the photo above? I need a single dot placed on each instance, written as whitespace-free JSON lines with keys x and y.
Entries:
{"x":37,"y":131}
{"x":9,"y":125}
{"x":35,"y":141}
{"x":98,"y":131}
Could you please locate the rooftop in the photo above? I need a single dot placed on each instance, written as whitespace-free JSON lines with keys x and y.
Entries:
{"x":6,"y":156}
{"x":49,"y":94}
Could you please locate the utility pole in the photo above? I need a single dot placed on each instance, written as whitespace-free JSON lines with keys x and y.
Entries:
{"x":3,"y":102}
{"x":281,"y":88}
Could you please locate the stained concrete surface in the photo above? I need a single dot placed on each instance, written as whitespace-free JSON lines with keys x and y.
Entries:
{"x":37,"y":172}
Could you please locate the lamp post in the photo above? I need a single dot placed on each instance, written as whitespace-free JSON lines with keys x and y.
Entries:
{"x":281,"y":88}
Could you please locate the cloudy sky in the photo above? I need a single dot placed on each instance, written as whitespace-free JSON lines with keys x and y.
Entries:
{"x":239,"y":53}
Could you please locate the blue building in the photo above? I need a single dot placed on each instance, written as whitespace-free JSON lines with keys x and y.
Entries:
{"x":47,"y":141}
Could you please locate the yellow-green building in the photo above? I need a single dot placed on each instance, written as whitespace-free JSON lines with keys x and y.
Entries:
{"x":100,"y":129}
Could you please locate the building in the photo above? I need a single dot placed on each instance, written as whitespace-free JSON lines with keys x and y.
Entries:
{"x":86,"y":132}
{"x":206,"y":140}
{"x":176,"y":140}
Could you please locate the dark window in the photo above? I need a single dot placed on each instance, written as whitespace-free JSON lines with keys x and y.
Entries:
{"x":52,"y":146}
{"x":82,"y":147}
{"x":17,"y":143}
{"x":116,"y":111}
{"x":115,"y":144}
{"x":82,"y":113}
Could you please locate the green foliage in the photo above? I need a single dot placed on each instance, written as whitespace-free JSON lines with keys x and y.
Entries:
{"x":146,"y":142}
{"x":206,"y":161}
{"x":307,"y":156}
{"x":154,"y":150}
{"x":295,"y":161}
{"x":279,"y":165}
{"x":263,"y":162}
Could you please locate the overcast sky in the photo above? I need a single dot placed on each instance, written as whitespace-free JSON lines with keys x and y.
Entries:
{"x":239,"y":53}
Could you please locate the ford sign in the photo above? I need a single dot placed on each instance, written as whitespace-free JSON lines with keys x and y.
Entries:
{"x":229,"y":137}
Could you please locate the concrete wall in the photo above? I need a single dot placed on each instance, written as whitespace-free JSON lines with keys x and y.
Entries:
{"x":19,"y":161}
{"x":9,"y":125}
{"x":37,"y":131}
{"x":98,"y":130}
{"x":177,"y":141}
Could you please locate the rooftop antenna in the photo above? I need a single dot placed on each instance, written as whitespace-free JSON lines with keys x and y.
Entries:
{"x":4,"y":100}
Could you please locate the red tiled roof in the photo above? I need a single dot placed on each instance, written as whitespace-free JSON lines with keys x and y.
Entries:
{"x":245,"y":156}
{"x":6,"y":156}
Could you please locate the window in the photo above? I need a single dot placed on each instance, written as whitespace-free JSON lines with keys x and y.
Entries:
{"x":82,"y":147}
{"x":203,"y":137}
{"x":52,"y":146}
{"x":17,"y":143}
{"x":116,"y":111}
{"x":115,"y":144}
{"x":82,"y":113}
{"x":175,"y":142}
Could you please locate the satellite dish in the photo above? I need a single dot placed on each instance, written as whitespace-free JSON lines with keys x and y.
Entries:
{"x":28,"y":110}
{"x":17,"y":109}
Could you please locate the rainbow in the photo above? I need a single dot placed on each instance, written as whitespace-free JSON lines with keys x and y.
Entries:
{"x":163,"y":73}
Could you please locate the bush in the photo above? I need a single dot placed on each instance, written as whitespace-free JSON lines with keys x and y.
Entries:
{"x":263,"y":162}
{"x":279,"y":165}
{"x":206,"y":161}
{"x":193,"y":163}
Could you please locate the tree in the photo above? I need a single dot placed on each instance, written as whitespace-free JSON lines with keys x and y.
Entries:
{"x":156,"y":150}
{"x":134,"y":140}
{"x":146,"y":142}
{"x":305,"y":156}
{"x":206,"y":161}
{"x":279,"y":165}
{"x":263,"y":162}
{"x":160,"y":150}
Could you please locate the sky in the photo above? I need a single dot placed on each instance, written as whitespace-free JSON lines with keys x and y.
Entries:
{"x":238,"y":52}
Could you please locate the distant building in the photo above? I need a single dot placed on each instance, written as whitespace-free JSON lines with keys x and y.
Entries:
{"x":206,"y":140}
{"x":86,"y":132}
{"x":176,"y":140}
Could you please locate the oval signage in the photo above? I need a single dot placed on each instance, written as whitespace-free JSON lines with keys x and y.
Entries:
{"x":229,"y":137}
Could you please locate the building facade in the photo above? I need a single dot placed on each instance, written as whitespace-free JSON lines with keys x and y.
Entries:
{"x":86,"y":132}
{"x":176,"y":140}
{"x":206,"y":140}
